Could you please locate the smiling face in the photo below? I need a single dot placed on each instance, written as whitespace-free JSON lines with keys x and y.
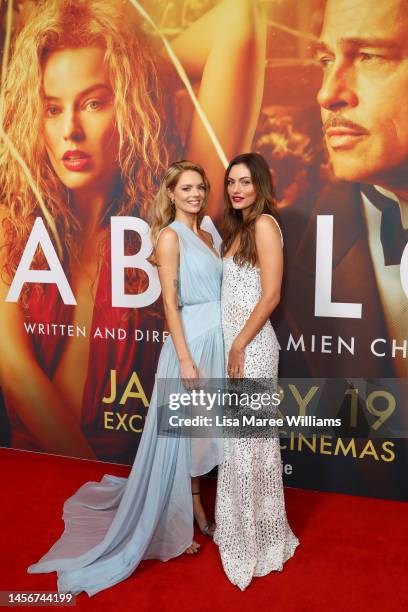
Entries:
{"x":79,"y":127}
{"x":240,"y":187}
{"x":363,"y":98}
{"x":189,"y":193}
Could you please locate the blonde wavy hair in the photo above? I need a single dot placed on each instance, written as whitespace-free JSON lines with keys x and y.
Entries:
{"x":162,"y":210}
{"x":54,"y":25}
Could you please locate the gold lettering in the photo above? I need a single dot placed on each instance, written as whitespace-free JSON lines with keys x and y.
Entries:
{"x":345,"y":449}
{"x":353,"y":406}
{"x":112,"y":397}
{"x":108,"y":420}
{"x":303,"y":401}
{"x":139,"y":418}
{"x":387,"y":446}
{"x":134,"y":379}
{"x":302,"y":440}
{"x":133,"y":422}
{"x":121,"y":424}
{"x":325,"y":443}
{"x":382,"y":415}
{"x":369,"y":450}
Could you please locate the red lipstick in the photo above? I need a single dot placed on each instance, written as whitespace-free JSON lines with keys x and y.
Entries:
{"x":76,"y":160}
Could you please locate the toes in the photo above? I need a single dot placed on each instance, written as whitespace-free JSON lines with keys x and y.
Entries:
{"x":193,"y":548}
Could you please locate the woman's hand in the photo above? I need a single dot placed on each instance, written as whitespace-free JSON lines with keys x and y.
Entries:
{"x":236,"y":359}
{"x":189,"y":373}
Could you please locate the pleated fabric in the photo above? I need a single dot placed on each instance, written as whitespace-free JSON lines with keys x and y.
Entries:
{"x":111,"y":525}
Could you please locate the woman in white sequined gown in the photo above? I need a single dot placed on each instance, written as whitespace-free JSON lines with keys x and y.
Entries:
{"x":252,"y":533}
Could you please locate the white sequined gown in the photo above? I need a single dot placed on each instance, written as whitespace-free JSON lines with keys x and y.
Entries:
{"x":253,"y":534}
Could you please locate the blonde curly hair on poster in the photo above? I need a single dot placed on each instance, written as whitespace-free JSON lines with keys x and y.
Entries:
{"x":133,"y":73}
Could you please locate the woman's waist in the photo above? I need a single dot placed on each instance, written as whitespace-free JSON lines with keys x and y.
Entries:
{"x":237,"y":310}
{"x":201,"y":317}
{"x":240,"y":297}
{"x":212,"y":306}
{"x":233,"y":324}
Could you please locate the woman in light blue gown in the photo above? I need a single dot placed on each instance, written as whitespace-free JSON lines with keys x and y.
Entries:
{"x":111,"y":525}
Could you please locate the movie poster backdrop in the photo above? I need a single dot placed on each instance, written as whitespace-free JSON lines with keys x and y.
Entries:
{"x":80,"y":341}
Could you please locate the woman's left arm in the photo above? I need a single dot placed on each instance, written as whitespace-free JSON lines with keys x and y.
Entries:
{"x":270,"y":258}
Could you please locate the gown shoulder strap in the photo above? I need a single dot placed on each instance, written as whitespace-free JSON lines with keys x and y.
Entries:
{"x":277,"y":224}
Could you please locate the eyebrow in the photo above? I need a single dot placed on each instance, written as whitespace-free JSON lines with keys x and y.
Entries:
{"x":357,"y":43}
{"x":241,"y":178}
{"x":86,"y":91}
{"x":191,"y":185}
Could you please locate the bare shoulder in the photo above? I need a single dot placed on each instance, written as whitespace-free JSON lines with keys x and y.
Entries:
{"x":267,"y":226}
{"x":167,"y":242}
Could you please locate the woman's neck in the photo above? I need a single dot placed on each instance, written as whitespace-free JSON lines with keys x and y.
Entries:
{"x":90,"y":206}
{"x":189,"y":219}
{"x":246,"y":212}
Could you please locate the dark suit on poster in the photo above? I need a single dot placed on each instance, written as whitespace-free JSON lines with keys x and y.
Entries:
{"x":353,"y":280}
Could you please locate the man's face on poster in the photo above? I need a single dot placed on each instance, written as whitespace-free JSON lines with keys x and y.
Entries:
{"x":364,"y":94}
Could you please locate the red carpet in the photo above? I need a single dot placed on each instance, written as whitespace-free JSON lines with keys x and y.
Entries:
{"x":352,"y":557}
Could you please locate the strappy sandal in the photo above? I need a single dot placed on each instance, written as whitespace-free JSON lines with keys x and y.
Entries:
{"x":209,"y":525}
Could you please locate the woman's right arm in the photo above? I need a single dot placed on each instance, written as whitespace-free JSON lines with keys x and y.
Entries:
{"x":168,"y":257}
{"x":31,"y":394}
{"x":29,"y":391}
{"x":225,"y":51}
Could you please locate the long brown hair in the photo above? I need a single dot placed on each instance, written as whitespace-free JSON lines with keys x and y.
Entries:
{"x":162,"y":211}
{"x":265,"y":202}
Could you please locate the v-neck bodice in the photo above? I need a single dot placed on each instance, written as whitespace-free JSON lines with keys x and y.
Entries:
{"x":200,"y":270}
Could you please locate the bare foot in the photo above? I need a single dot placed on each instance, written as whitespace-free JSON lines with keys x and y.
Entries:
{"x":193,"y":548}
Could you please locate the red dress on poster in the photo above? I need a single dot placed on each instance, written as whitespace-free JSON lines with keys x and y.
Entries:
{"x":116,"y":442}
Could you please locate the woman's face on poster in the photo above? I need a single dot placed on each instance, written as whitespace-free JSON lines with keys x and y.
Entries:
{"x":79,"y":124}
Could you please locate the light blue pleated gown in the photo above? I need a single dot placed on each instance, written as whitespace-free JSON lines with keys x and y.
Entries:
{"x":111,"y":525}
